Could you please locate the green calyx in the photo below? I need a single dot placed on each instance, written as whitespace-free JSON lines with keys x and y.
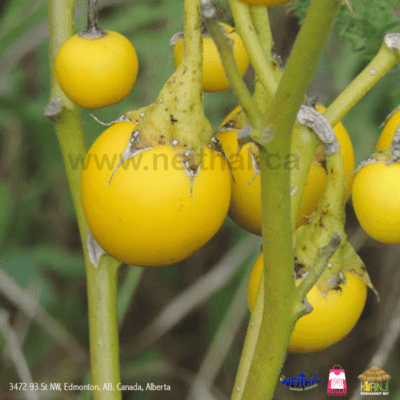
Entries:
{"x":177,"y":116}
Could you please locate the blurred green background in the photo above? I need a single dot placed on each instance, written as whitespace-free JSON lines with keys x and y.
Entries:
{"x":185,"y":324}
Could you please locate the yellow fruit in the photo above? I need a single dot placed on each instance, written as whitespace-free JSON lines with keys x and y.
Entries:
{"x":214,"y":77}
{"x":376,"y":200}
{"x":148,"y":214}
{"x":99,"y":72}
{"x":332,"y":317}
{"x":385,"y":139}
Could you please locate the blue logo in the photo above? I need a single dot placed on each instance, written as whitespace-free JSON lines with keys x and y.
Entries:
{"x":301,"y":382}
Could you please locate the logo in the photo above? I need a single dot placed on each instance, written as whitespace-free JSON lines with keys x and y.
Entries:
{"x":300,"y":383}
{"x":374,"y":381}
{"x":337,"y":382}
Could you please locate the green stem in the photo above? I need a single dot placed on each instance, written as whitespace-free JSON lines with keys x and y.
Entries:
{"x":304,"y":142}
{"x":247,"y":31}
{"x":68,"y":125}
{"x":384,"y":60}
{"x":104,"y":346}
{"x":260,"y":18}
{"x":330,"y":217}
{"x":178,"y":112}
{"x":334,"y":192}
{"x":192,"y":35}
{"x":324,"y":255}
{"x":238,"y":86}
{"x":279,"y":287}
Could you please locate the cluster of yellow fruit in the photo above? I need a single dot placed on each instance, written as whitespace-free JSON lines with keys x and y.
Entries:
{"x":145,"y":214}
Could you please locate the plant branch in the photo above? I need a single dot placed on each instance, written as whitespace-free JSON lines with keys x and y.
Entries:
{"x":238,"y":86}
{"x":256,"y":50}
{"x":260,"y":18}
{"x":384,"y":60}
{"x":275,"y":137}
{"x":104,"y":346}
{"x":68,"y":125}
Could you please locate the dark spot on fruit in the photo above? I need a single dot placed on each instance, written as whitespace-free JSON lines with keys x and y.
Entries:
{"x":298,"y":268}
{"x":172,"y":119}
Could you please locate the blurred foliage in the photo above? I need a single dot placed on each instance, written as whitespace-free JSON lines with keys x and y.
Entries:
{"x":39,"y":240}
{"x":362,"y":23}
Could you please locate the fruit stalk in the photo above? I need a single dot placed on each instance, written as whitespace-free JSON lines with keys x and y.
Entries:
{"x":69,"y":129}
{"x":238,"y":86}
{"x":256,"y":49}
{"x":275,"y":138}
{"x":92,"y":16}
{"x":92,"y":30}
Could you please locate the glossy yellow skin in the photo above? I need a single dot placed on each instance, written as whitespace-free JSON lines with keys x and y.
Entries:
{"x":268,"y":3}
{"x":376,"y":200}
{"x":97,"y":73}
{"x":313,"y":191}
{"x":385,"y":139}
{"x":245,"y":208}
{"x":332,"y":318}
{"x":147,"y":216}
{"x":214,"y":77}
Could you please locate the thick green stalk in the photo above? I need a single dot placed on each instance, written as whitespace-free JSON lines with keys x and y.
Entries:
{"x":279,"y":288}
{"x":102,"y":281}
{"x":104,"y":345}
